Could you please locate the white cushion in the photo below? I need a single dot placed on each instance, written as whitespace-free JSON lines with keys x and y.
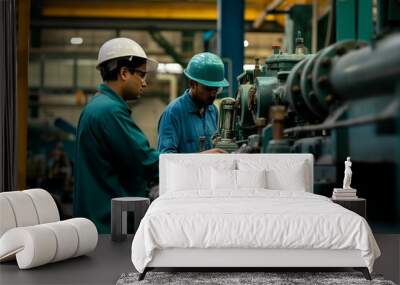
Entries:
{"x":251,"y":178}
{"x":184,"y":175}
{"x":290,"y":175}
{"x":223,"y":179}
{"x":188,"y":177}
{"x":247,"y":162}
{"x":293,"y":178}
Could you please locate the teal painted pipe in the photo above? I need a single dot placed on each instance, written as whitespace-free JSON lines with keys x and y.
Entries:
{"x":370,"y":71}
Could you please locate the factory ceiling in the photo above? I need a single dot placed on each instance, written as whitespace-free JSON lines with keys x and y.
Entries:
{"x":55,"y":22}
{"x":155,"y":14}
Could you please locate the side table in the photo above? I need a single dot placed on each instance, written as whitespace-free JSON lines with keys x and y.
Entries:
{"x":358,"y":205}
{"x":119,"y":209}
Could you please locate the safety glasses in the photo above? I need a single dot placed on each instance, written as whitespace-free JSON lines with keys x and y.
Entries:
{"x":142,"y":74}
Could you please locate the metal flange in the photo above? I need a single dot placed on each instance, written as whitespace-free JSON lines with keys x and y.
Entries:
{"x":264,"y":99}
{"x":294,"y":96}
{"x":322,"y":68}
{"x":306,"y":86}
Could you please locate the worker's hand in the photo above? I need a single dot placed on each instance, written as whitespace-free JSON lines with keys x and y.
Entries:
{"x":214,"y":150}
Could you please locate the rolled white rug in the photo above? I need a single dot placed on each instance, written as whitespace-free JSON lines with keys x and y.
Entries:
{"x":33,"y":246}
{"x":26,"y":208}
{"x":45,"y":206}
{"x":87,"y":235}
{"x":7,"y":218}
{"x":23,"y":208}
{"x":66,"y":238}
{"x":41,"y":244}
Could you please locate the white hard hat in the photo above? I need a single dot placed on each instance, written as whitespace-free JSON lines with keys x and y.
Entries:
{"x":124,"y":47}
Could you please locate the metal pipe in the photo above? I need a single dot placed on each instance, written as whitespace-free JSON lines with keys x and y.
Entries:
{"x":227,"y":118}
{"x":314,"y":38}
{"x":369,"y":71}
{"x":278,"y":116}
{"x":389,"y":113}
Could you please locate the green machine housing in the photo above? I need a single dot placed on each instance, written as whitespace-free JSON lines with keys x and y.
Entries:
{"x":342,"y":101}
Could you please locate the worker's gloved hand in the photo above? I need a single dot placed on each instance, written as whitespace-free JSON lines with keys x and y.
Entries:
{"x":214,"y":150}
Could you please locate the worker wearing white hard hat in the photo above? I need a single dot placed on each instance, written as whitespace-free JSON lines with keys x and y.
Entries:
{"x":113,"y":156}
{"x":123,"y":47}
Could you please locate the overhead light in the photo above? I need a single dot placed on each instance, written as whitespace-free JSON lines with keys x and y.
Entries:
{"x":245,"y":43}
{"x":175,"y":68}
{"x":248,"y":66}
{"x":76,"y":40}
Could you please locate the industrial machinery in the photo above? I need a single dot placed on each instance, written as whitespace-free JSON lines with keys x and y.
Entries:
{"x":342,"y":101}
{"x":259,"y":90}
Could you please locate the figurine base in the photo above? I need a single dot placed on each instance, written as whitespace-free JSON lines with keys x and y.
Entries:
{"x":344,"y":190}
{"x":344,"y":194}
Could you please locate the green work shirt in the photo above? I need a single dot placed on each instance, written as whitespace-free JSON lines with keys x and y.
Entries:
{"x":113,"y":158}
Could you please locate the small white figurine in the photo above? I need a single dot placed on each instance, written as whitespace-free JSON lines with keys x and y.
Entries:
{"x":347,"y":174}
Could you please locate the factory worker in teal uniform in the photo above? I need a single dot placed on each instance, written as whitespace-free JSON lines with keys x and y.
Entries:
{"x":189,"y":122}
{"x":113,"y":156}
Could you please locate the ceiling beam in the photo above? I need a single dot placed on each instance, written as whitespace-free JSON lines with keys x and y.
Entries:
{"x":166,"y":10}
{"x":260,"y":19}
{"x":143,"y":24}
{"x":167,"y":46}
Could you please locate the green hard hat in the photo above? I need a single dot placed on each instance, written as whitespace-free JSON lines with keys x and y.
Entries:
{"x":208,"y":69}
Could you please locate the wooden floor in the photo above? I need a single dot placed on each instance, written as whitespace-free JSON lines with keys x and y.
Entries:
{"x":106,"y":264}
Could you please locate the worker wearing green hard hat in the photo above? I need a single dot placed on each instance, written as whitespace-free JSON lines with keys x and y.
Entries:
{"x":189,"y":122}
{"x":208,"y":69}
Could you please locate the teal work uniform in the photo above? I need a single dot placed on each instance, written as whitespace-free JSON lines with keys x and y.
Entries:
{"x":113,"y":158}
{"x":181,"y":126}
